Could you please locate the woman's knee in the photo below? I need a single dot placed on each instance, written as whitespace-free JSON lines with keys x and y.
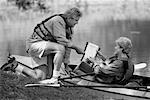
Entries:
{"x":40,"y":74}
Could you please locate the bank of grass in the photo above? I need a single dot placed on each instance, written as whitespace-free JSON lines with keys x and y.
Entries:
{"x":12,"y":88}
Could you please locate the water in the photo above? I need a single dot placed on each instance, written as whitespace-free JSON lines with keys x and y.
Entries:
{"x":102,"y":32}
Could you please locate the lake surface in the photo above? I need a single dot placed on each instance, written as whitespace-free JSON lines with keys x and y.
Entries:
{"x":104,"y":33}
{"x":101,"y":32}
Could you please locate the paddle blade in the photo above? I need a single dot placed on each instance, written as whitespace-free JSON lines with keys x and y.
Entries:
{"x":140,"y":66}
{"x":39,"y":85}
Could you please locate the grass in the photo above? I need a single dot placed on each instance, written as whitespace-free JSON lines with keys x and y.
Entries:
{"x":12,"y":88}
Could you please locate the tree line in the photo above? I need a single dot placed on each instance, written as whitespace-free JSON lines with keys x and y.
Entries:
{"x":29,"y":4}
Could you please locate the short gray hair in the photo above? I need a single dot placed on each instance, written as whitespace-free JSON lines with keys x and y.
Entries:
{"x":73,"y":12}
{"x":124,"y":43}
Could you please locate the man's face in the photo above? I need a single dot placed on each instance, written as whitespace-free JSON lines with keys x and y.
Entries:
{"x":73,"y":21}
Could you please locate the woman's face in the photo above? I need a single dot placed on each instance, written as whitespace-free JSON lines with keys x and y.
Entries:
{"x":73,"y":21}
{"x":118,"y":49}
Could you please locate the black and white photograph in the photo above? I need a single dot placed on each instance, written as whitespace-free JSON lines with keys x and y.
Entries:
{"x":74,"y":50}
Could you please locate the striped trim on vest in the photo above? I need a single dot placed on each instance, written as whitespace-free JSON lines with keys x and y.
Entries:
{"x":42,"y":35}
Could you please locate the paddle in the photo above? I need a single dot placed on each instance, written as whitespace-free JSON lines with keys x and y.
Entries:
{"x":85,"y":86}
{"x":39,"y":85}
{"x":104,"y":86}
{"x":77,"y":76}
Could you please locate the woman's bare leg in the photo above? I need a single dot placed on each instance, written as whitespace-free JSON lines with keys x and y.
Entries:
{"x":37,"y":73}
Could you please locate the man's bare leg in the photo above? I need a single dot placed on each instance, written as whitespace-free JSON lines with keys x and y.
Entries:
{"x":59,"y":51}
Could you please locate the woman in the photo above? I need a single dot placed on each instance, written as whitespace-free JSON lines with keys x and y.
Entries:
{"x":117,"y":69}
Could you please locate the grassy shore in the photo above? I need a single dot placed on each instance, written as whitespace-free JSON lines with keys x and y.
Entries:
{"x":12,"y":88}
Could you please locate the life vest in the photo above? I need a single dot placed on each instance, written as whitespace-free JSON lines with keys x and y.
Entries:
{"x":129,"y":70}
{"x":43,"y":36}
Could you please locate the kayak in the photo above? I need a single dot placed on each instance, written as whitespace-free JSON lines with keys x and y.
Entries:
{"x":116,"y":91}
{"x":111,"y":91}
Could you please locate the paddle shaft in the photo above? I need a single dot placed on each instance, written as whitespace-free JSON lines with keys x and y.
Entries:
{"x":101,"y":86}
{"x":104,"y":86}
{"x":78,"y":76}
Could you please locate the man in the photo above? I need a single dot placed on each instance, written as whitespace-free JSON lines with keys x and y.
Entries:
{"x":119,"y":68}
{"x":54,"y":36}
{"x":51,"y":36}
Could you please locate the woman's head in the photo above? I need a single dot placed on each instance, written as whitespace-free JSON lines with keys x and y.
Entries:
{"x":124,"y":44}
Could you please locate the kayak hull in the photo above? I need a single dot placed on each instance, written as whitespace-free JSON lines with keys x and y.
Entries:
{"x":110,"y":93}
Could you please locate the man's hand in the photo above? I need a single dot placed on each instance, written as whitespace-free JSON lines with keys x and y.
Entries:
{"x":79,"y":50}
{"x":76,"y":48}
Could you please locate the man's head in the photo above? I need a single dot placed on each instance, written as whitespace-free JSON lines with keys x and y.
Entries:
{"x":72,"y":15}
{"x":124,"y":44}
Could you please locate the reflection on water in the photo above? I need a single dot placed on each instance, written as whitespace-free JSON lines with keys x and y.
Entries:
{"x":3,"y":49}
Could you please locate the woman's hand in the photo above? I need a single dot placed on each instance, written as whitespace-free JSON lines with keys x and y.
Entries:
{"x":96,"y":69}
